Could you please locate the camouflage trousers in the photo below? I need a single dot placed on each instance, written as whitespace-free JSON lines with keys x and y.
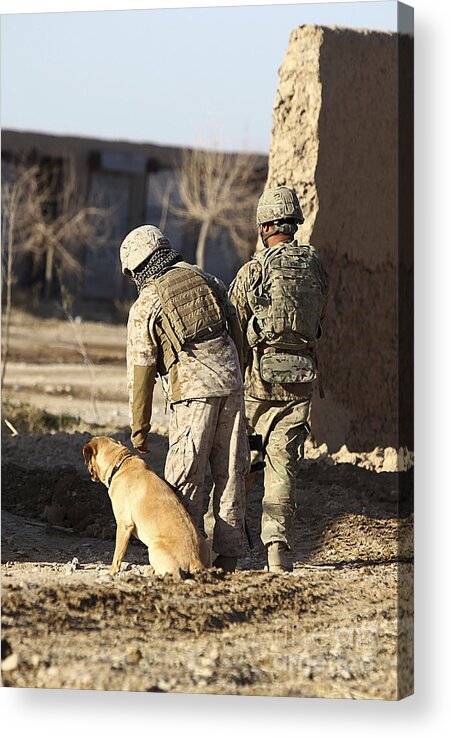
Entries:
{"x":284,"y":428}
{"x":211,"y":430}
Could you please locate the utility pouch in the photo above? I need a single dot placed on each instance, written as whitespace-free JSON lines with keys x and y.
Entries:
{"x":279,"y":368}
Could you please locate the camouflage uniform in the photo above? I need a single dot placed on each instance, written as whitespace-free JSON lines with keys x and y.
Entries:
{"x":280,"y":413}
{"x":205,"y":392}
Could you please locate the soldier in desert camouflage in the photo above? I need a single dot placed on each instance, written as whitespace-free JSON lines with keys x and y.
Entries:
{"x":280,"y":297}
{"x":184,"y":328}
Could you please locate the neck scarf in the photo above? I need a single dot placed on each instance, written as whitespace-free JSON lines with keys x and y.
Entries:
{"x":159,"y":262}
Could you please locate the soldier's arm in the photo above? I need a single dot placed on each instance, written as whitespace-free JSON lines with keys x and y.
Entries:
{"x":238,"y":298}
{"x":236,"y":336}
{"x":142,"y":352}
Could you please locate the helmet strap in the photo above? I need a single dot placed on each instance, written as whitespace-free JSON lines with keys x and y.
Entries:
{"x":288,"y":229}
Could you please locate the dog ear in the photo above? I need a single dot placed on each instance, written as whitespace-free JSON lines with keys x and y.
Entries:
{"x":87,"y":452}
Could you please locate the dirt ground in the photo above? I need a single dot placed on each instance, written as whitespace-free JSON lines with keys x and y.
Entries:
{"x":339,"y":626}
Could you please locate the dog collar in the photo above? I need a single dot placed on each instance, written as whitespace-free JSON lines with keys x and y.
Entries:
{"x":117,"y":467}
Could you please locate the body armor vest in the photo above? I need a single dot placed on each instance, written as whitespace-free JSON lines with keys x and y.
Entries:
{"x":190,"y":310}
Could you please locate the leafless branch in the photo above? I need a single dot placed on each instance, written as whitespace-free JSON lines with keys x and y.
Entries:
{"x":44,"y":214}
{"x":218,"y":189}
{"x":66,"y":302}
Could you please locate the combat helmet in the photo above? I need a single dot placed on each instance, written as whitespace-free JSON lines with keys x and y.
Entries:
{"x":280,"y":206}
{"x":138,"y":245}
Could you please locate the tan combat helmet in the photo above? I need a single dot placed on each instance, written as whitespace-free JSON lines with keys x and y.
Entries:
{"x":278,"y":205}
{"x":138,"y":245}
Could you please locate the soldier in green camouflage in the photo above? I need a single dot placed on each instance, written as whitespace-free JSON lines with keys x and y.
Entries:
{"x":280,"y":297}
{"x":184,"y":328}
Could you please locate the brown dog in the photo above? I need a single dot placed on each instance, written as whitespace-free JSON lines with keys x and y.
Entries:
{"x":145,"y":505}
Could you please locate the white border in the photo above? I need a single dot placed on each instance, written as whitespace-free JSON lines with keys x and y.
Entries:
{"x":52,"y":713}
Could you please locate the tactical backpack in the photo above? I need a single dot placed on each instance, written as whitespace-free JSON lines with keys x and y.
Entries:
{"x":287,"y":302}
{"x":191,"y":310}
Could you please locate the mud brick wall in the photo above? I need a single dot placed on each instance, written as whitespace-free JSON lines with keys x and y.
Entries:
{"x":343,"y":98}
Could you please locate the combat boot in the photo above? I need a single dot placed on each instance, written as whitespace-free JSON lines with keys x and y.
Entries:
{"x":279,"y":559}
{"x":226,"y":563}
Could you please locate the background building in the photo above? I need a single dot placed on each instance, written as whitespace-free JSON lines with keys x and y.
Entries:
{"x":137,"y":183}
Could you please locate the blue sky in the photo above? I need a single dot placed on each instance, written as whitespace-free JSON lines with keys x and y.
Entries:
{"x":174,"y":76}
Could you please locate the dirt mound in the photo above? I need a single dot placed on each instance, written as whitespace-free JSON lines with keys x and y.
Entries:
{"x":44,"y":477}
{"x":60,"y":498}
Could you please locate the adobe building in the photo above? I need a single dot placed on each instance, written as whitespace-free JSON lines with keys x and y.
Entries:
{"x":343,"y":138}
{"x":130,"y":178}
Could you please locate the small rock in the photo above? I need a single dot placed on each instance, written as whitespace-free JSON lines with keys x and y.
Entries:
{"x":134,"y":656}
{"x":344,"y":456}
{"x":317,"y":453}
{"x":376,"y":458}
{"x":345,"y":674}
{"x":212,"y":653}
{"x":72,"y":566}
{"x":6,"y":648}
{"x":11,"y":662}
{"x":390,"y":460}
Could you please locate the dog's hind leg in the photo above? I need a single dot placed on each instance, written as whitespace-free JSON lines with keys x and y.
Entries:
{"x":123,"y":533}
{"x":163,"y":561}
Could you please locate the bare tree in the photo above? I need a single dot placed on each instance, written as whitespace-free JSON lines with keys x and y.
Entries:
{"x":217,"y":189}
{"x":17,"y":198}
{"x":65,"y":222}
{"x":67,"y":303}
{"x":165,"y":198}
{"x":44,"y":215}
